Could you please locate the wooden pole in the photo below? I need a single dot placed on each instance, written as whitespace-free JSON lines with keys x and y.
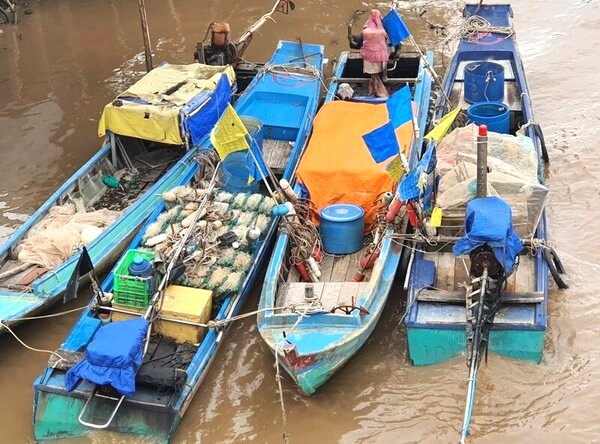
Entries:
{"x":146,"y":35}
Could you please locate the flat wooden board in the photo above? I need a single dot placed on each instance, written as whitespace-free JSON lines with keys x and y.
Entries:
{"x":276,"y":154}
{"x":331,"y":294}
{"x":458,"y":297}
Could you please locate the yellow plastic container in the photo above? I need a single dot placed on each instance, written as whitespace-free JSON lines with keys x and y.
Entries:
{"x":179,"y":303}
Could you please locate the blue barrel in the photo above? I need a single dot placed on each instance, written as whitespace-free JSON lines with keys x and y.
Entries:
{"x":493,"y":114}
{"x":234,"y":173}
{"x":484,"y":82}
{"x":255,"y":129}
{"x":140,"y":267}
{"x":342,"y":228}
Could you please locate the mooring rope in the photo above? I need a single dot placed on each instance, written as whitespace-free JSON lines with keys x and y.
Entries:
{"x":28,"y":347}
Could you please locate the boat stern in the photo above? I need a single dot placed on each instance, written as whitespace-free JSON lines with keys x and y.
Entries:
{"x":56,"y":413}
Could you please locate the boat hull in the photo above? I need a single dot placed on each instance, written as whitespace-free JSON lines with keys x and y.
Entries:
{"x":322,"y":342}
{"x":436,"y":345}
{"x":327,"y":363}
{"x":55,"y":417}
{"x":436,"y":330}
{"x":151,"y":412}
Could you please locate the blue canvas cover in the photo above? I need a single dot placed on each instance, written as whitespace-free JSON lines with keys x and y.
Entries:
{"x":488,"y":220}
{"x":199,"y":116}
{"x":113,"y":357}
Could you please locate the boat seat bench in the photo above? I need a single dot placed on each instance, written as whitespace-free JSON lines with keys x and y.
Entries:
{"x":331,"y":294}
{"x":458,"y":297}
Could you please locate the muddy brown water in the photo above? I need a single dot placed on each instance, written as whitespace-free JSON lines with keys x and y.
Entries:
{"x":62,"y":63}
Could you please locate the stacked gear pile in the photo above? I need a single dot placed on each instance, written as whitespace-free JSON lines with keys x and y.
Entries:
{"x":224,"y":242}
{"x":513,"y":175}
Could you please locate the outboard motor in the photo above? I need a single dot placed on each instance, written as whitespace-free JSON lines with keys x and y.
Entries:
{"x":220,"y":51}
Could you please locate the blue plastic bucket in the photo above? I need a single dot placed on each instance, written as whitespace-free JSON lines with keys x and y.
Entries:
{"x":255,"y":129}
{"x":493,"y":114}
{"x":395,"y":27}
{"x":234,"y":174}
{"x":342,"y":228}
{"x":484,"y":82}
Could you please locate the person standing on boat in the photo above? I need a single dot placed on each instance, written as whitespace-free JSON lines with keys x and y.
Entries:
{"x":374,"y":52}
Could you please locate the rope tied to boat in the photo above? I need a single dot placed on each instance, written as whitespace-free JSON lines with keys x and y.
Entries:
{"x":475,"y":27}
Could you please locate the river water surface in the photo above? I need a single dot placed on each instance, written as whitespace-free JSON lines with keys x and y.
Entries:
{"x":62,"y":63}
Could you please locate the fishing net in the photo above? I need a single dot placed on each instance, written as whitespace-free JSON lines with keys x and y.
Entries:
{"x":58,"y":235}
{"x":212,"y":260}
{"x":513,"y":175}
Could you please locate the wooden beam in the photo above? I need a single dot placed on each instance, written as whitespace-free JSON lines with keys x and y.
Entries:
{"x":458,"y":297}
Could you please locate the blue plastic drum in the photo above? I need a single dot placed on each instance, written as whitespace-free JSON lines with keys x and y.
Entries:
{"x":342,"y":228}
{"x":495,"y":115}
{"x":484,"y":82}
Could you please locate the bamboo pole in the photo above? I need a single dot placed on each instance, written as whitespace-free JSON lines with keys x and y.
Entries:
{"x":146,"y":35}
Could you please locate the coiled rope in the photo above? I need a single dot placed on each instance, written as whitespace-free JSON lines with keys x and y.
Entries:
{"x":475,"y":27}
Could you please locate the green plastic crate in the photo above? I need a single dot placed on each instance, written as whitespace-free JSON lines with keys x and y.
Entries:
{"x":133,"y":291}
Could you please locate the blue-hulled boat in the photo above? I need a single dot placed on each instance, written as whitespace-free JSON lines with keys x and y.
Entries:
{"x":284,"y":98}
{"x":150,"y":154}
{"x":315,"y":323}
{"x":443,"y":284}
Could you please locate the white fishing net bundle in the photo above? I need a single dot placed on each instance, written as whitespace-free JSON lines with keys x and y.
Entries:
{"x":57,"y":236}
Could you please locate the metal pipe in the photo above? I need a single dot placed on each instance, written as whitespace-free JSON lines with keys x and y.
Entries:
{"x":482,"y":169}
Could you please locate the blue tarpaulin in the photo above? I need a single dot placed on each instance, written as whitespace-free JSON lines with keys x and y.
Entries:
{"x":382,"y":142}
{"x":399,"y":107}
{"x":113,"y":357}
{"x":488,"y":220}
{"x":197,"y":119}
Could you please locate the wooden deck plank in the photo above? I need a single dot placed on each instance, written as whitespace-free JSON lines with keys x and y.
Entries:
{"x":326,"y":267}
{"x":525,"y":274}
{"x":276,"y":154}
{"x":348,"y":293}
{"x":458,"y":297}
{"x":330,"y":295}
{"x":340,"y":268}
{"x":510,"y":283}
{"x":445,"y":271}
{"x":461,"y":274}
{"x":353,"y":267}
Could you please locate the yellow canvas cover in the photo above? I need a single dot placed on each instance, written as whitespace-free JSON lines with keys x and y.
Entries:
{"x":337,"y":166}
{"x":165,"y":89}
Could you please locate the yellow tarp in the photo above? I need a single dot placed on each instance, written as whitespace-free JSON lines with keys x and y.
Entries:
{"x":167,"y":88}
{"x":337,"y":166}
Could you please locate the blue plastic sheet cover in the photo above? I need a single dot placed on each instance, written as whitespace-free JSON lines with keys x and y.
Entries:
{"x":198,"y":116}
{"x":399,"y":107}
{"x":382,"y":142}
{"x":113,"y":357}
{"x":488,"y":220}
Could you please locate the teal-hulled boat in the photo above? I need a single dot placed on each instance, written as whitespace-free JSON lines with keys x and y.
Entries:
{"x":283,"y":98}
{"x":436,"y":319}
{"x":151,"y":131}
{"x":316,"y":323}
{"x":481,"y":282}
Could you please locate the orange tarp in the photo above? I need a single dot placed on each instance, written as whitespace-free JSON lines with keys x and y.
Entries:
{"x":337,"y":166}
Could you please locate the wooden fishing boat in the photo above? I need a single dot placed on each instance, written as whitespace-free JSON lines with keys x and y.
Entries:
{"x":317,"y":310}
{"x":284,"y":98}
{"x":151,"y":129}
{"x":446,"y":313}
